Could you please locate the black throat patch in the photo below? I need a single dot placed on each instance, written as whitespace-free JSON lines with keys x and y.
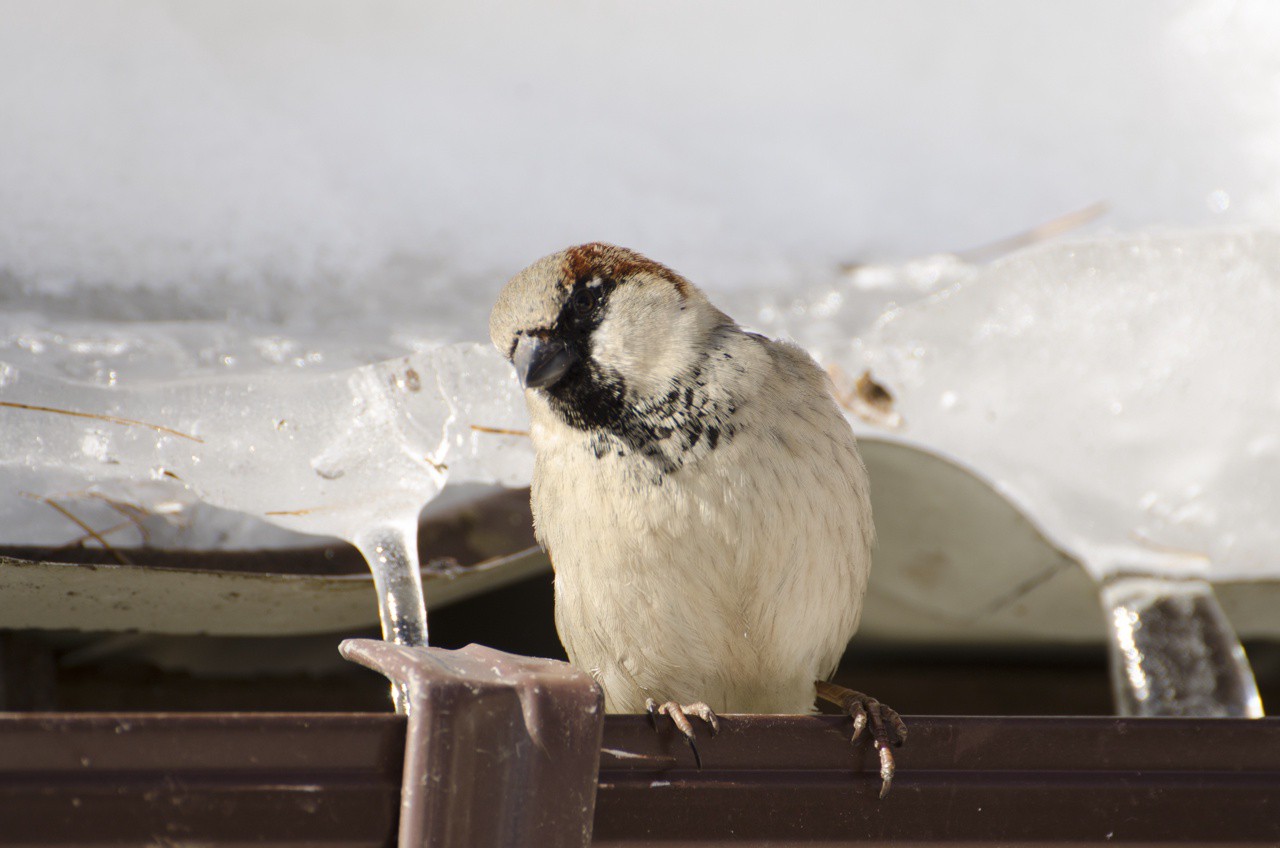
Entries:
{"x":685,"y":422}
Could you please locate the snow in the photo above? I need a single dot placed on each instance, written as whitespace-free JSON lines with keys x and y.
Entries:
{"x":319,"y":162}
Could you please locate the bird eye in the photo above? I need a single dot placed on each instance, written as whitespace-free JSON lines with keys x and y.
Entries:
{"x":584,"y":301}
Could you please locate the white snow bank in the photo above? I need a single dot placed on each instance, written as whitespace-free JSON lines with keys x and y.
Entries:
{"x":325,"y":160}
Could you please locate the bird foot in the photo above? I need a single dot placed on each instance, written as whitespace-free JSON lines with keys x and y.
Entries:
{"x":679,"y":714}
{"x":887,"y":728}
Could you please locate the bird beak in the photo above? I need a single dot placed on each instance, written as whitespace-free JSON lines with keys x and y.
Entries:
{"x":541,"y":362}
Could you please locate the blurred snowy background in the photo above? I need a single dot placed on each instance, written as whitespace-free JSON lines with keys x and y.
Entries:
{"x":393,"y":162}
{"x":276,"y":230}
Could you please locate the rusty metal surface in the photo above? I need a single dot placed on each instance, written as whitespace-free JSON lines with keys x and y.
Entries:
{"x":289,"y":779}
{"x":502,"y":750}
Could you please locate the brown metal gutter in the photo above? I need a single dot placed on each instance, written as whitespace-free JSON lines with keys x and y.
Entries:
{"x":294,"y":780}
{"x":993,"y":781}
{"x":219,"y":779}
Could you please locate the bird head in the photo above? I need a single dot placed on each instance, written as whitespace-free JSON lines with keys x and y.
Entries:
{"x":596,"y":326}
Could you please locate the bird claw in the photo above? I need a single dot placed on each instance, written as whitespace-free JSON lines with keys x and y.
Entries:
{"x":679,"y":714}
{"x":888,"y":731}
{"x":886,"y":769}
{"x":859,"y":723}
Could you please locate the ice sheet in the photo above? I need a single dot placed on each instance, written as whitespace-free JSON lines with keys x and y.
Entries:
{"x":268,"y":434}
{"x":1123,"y":391}
{"x":308,"y":449}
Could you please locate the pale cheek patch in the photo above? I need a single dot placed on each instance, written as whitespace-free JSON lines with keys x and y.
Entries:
{"x":647,"y":340}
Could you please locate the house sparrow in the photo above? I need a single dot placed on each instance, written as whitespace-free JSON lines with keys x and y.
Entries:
{"x":698,"y":491}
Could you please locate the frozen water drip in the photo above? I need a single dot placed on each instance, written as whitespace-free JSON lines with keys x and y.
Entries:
{"x":1173,"y":652}
{"x":392,"y":553}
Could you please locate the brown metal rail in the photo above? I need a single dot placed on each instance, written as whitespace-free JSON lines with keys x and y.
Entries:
{"x":334,"y":780}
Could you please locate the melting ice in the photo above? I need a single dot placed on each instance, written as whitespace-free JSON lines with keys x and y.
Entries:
{"x":351,"y":452}
{"x":1121,"y":390}
{"x":1124,"y":392}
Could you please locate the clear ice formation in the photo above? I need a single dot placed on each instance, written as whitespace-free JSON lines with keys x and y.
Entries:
{"x":316,"y":452}
{"x":353,"y":453}
{"x":324,"y":449}
{"x":1122,"y":391}
{"x":1173,"y":652}
{"x":391,"y":550}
